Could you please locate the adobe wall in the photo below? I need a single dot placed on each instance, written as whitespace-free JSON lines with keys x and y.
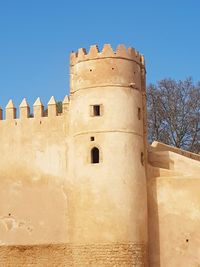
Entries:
{"x":33,"y":165}
{"x":175,"y":222}
{"x":111,"y":200}
{"x":52,"y":193}
{"x":58,"y":209}
{"x":174,"y":208}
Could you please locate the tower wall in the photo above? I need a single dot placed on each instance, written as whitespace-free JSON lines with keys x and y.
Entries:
{"x":110,"y":205}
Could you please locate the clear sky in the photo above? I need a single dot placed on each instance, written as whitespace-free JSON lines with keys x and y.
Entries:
{"x":36,"y":37}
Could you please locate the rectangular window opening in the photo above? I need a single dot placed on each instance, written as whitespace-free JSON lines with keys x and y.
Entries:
{"x":95,"y":110}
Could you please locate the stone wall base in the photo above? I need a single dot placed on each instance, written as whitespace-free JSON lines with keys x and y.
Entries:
{"x":66,"y":255}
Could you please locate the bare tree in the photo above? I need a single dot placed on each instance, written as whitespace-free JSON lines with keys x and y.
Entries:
{"x":174,"y":113}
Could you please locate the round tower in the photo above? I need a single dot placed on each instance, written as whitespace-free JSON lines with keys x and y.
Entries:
{"x":109,"y":211}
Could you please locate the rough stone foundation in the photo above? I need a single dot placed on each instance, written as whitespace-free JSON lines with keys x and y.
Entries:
{"x":97,"y":255}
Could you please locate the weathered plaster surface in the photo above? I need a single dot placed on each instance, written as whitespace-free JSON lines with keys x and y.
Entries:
{"x":174,"y":207}
{"x":139,"y":206}
{"x":33,"y":203}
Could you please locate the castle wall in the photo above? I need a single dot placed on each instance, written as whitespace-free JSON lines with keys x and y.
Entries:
{"x":174,"y":213}
{"x":59,"y":207}
{"x":52,"y":193}
{"x":175,"y":222}
{"x":33,"y":201}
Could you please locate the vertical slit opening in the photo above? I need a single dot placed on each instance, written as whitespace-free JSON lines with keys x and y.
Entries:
{"x":94,"y":155}
{"x":139,"y":113}
{"x":142,"y":158}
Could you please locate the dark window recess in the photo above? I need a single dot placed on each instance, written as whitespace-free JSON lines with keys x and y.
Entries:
{"x":142,"y":158}
{"x":96,"y":110}
{"x":139,"y":113}
{"x":95,"y":155}
{"x":92,"y":138}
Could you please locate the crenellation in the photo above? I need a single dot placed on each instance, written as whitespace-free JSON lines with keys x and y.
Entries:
{"x":38,"y":108}
{"x":93,"y":52}
{"x":11,"y":112}
{"x":132,"y":52}
{"x":121,"y":51}
{"x":52,"y":108}
{"x":73,"y":56}
{"x":65,"y":104}
{"x":24,"y":109}
{"x":107,"y":52}
{"x":82,"y":53}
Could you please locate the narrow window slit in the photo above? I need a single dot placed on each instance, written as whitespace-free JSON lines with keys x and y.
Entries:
{"x":94,"y":155}
{"x":142,"y":158}
{"x":139,"y":113}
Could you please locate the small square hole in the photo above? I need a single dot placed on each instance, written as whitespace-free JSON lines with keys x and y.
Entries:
{"x":92,"y":138}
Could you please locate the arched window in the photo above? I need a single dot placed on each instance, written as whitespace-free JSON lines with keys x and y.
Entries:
{"x":94,"y":155}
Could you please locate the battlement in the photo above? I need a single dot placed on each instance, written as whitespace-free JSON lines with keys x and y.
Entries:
{"x":38,"y":109}
{"x":107,"y":52}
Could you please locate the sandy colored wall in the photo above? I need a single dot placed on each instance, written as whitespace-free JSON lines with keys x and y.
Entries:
{"x":175,"y":222}
{"x":50,"y":191}
{"x":174,"y":208}
{"x":33,"y":201}
{"x":110,"y":194}
{"x":119,"y":255}
{"x":113,"y":190}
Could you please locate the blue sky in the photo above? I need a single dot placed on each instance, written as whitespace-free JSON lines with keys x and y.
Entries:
{"x":36,"y":37}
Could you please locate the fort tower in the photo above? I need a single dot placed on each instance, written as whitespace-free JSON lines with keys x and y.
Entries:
{"x":108,"y":158}
{"x":74,"y":183}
